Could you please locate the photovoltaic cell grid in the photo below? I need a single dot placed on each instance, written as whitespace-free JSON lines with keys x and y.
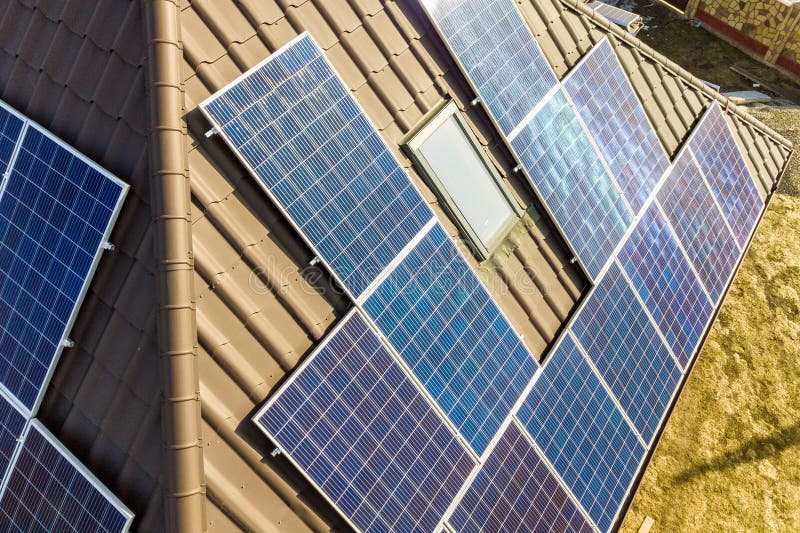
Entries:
{"x":295,"y":124}
{"x":54,"y":216}
{"x":12,"y":427}
{"x":497,"y":52}
{"x":516,"y":491}
{"x":727,"y":174}
{"x":699,"y":225}
{"x":10,"y":129}
{"x":352,"y":419}
{"x":669,"y":288}
{"x":626,"y":349}
{"x":571,"y":179}
{"x":576,"y":424}
{"x":617,"y":121}
{"x":47,"y":492}
{"x":447,"y":328}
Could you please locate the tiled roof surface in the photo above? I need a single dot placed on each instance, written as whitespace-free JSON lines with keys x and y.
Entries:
{"x":77,"y":67}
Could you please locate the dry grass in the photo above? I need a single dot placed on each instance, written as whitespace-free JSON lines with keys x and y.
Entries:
{"x":729,"y":459}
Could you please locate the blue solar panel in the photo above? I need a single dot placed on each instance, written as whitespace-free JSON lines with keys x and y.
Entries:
{"x":48,"y":491}
{"x":726,"y":171}
{"x":296,"y":126}
{"x":575,"y":422}
{"x":55,"y":214}
{"x":516,"y":491}
{"x":10,"y":128}
{"x":445,"y":325}
{"x":699,"y":225}
{"x":571,"y":179}
{"x":354,"y":422}
{"x":12,"y":427}
{"x":669,"y":288}
{"x":497,"y":52}
{"x":627,"y":351}
{"x":616,"y":119}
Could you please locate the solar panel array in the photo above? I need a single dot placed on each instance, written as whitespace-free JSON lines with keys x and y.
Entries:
{"x":447,"y":328}
{"x":354,"y":421}
{"x":727,"y":174}
{"x":424,"y":407}
{"x":498,"y":53}
{"x":690,"y":208}
{"x":294,"y":124}
{"x":627,"y":351}
{"x":48,"y":491}
{"x":573,"y":182}
{"x":10,"y":128}
{"x":670,"y":289}
{"x":55,"y":214}
{"x":12,"y":428}
{"x":576,"y":423}
{"x":616,"y":119}
{"x":516,"y":491}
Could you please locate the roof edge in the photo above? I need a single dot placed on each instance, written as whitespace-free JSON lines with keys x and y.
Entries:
{"x":676,"y":69}
{"x":184,"y":479}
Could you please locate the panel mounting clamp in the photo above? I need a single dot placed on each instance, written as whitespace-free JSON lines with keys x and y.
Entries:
{"x":210,"y":133}
{"x":315,"y":260}
{"x":475,"y":101}
{"x":68,"y":343}
{"x":275,"y":452}
{"x":109,"y":246}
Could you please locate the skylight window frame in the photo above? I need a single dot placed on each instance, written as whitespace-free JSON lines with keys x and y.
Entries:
{"x":412,"y":145}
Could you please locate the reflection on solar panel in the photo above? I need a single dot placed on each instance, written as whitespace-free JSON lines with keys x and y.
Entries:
{"x":10,"y":128}
{"x":440,"y":318}
{"x":627,"y":351}
{"x":616,"y":119}
{"x":576,"y":423}
{"x":727,"y":174}
{"x":558,"y":156}
{"x":48,"y":490}
{"x":515,"y":491}
{"x":690,"y":209}
{"x":56,"y":212}
{"x":295,"y":125}
{"x":354,"y":422}
{"x":12,"y":427}
{"x":669,"y":288}
{"x":498,"y":54}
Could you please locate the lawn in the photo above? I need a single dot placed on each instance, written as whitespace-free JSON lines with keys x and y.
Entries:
{"x":729,"y":458}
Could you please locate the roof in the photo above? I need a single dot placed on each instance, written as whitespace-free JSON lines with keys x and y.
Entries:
{"x":78,"y":68}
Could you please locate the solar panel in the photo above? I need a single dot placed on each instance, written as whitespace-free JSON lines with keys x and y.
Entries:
{"x":718,"y":155}
{"x":669,"y":288}
{"x":497,"y":52}
{"x":439,"y":317}
{"x":48,"y":490}
{"x":296,"y":127}
{"x":627,"y":351}
{"x":56,"y":213}
{"x":616,"y":119}
{"x":575,"y":422}
{"x":10,"y":128}
{"x":570,"y":177}
{"x":355,"y":423}
{"x":12,"y":427}
{"x":516,"y":491}
{"x":699,"y":225}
